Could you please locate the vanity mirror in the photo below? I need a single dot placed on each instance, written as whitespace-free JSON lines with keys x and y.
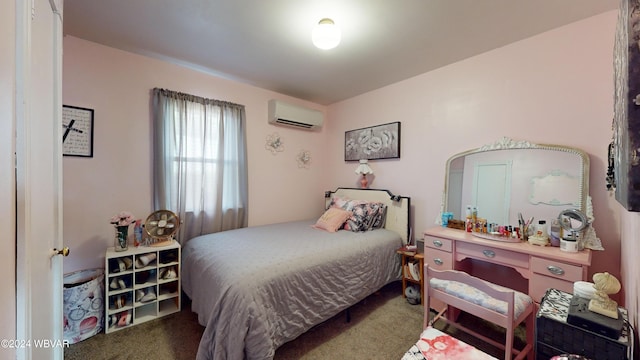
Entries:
{"x":509,"y":177}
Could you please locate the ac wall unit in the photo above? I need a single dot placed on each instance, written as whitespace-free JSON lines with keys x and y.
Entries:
{"x":282,"y":113}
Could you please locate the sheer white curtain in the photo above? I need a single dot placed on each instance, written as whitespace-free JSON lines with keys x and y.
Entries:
{"x":200,"y":165}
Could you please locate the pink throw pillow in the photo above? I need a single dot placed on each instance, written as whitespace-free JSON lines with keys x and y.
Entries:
{"x":332,"y":219}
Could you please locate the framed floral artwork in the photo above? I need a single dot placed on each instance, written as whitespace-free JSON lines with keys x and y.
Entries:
{"x":375,"y":142}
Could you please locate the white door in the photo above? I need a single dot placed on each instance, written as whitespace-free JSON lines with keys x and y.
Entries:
{"x":39,"y":179}
{"x":7,"y":176}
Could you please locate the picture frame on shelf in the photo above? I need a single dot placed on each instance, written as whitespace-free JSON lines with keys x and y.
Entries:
{"x":77,"y":131}
{"x":374,"y":142}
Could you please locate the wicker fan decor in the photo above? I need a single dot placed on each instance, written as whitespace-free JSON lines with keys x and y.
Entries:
{"x":161,"y":226}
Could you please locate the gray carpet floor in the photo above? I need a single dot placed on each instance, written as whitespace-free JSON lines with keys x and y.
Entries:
{"x":383,"y":326}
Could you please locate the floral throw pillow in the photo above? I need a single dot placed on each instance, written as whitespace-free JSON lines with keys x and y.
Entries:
{"x":379,"y":216}
{"x":341,"y":203}
{"x":332,"y":219}
{"x":366,"y":216}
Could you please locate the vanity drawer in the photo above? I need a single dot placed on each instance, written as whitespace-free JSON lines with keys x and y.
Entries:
{"x":538,"y":285}
{"x":493,"y":255}
{"x":438,"y":259}
{"x":556,"y":269}
{"x":438,"y":243}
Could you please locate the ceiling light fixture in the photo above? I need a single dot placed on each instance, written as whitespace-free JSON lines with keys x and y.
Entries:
{"x":326,"y":35}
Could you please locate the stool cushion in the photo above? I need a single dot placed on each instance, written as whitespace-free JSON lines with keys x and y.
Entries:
{"x":471,"y":294}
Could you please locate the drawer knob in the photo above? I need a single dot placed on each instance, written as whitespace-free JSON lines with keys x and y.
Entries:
{"x":438,"y":261}
{"x":437,"y":243}
{"x":555,"y":270}
{"x":489,"y":253}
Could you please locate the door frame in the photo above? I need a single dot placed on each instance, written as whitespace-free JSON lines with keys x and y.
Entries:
{"x":7,"y":174}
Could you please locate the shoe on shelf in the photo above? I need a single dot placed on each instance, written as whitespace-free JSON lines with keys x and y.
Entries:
{"x":120,"y":301}
{"x":128,"y":263}
{"x":113,"y":285}
{"x":121,"y":265}
{"x":113,"y":320}
{"x":139,"y":295}
{"x":149,"y":296}
{"x":170,"y":274}
{"x":122,"y":284}
{"x":144,"y":260}
{"x":125,"y":319}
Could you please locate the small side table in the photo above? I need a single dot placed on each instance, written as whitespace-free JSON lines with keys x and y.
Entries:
{"x":554,"y":336}
{"x":409,"y":259}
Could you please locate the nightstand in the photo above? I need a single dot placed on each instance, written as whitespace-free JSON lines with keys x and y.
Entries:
{"x":412,"y":271}
{"x":554,"y":336}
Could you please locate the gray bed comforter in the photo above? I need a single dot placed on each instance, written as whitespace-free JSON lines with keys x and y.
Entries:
{"x":256,"y":288}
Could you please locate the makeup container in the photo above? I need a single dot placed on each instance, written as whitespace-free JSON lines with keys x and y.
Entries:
{"x":569,"y":242}
{"x":569,"y":245}
{"x":446,"y":216}
{"x":554,"y":234}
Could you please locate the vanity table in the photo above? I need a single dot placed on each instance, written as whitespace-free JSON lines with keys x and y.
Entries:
{"x":540,"y":267}
{"x":506,"y":181}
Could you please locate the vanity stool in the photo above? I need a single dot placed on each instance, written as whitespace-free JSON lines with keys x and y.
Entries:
{"x":502,"y":306}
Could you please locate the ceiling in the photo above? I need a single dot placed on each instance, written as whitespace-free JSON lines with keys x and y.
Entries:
{"x":267,"y":43}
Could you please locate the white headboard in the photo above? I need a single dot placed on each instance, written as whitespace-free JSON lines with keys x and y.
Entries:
{"x":398,"y":207}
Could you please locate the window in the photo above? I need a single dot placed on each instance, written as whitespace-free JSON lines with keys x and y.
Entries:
{"x":200,"y":169}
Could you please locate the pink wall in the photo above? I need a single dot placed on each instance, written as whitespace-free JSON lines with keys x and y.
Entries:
{"x":117,"y":85}
{"x":554,"y":88}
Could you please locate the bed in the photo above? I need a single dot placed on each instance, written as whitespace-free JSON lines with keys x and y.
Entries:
{"x":256,"y":288}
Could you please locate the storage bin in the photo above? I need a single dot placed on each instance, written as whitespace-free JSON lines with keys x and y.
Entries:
{"x":554,"y":336}
{"x":83,"y":304}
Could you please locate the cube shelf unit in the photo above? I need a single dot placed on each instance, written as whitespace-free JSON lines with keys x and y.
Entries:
{"x":120,"y":299}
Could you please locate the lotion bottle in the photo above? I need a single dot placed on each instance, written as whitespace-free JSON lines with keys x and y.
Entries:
{"x":541,"y":229}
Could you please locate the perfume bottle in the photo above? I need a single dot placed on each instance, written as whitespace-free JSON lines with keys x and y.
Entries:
{"x":468,"y":222}
{"x":137,"y":233}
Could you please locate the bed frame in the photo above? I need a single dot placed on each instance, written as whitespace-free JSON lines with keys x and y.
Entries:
{"x":238,"y":309}
{"x":398,"y":207}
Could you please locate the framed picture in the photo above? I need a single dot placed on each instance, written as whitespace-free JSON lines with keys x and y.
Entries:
{"x":375,"y":142}
{"x":77,"y":131}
